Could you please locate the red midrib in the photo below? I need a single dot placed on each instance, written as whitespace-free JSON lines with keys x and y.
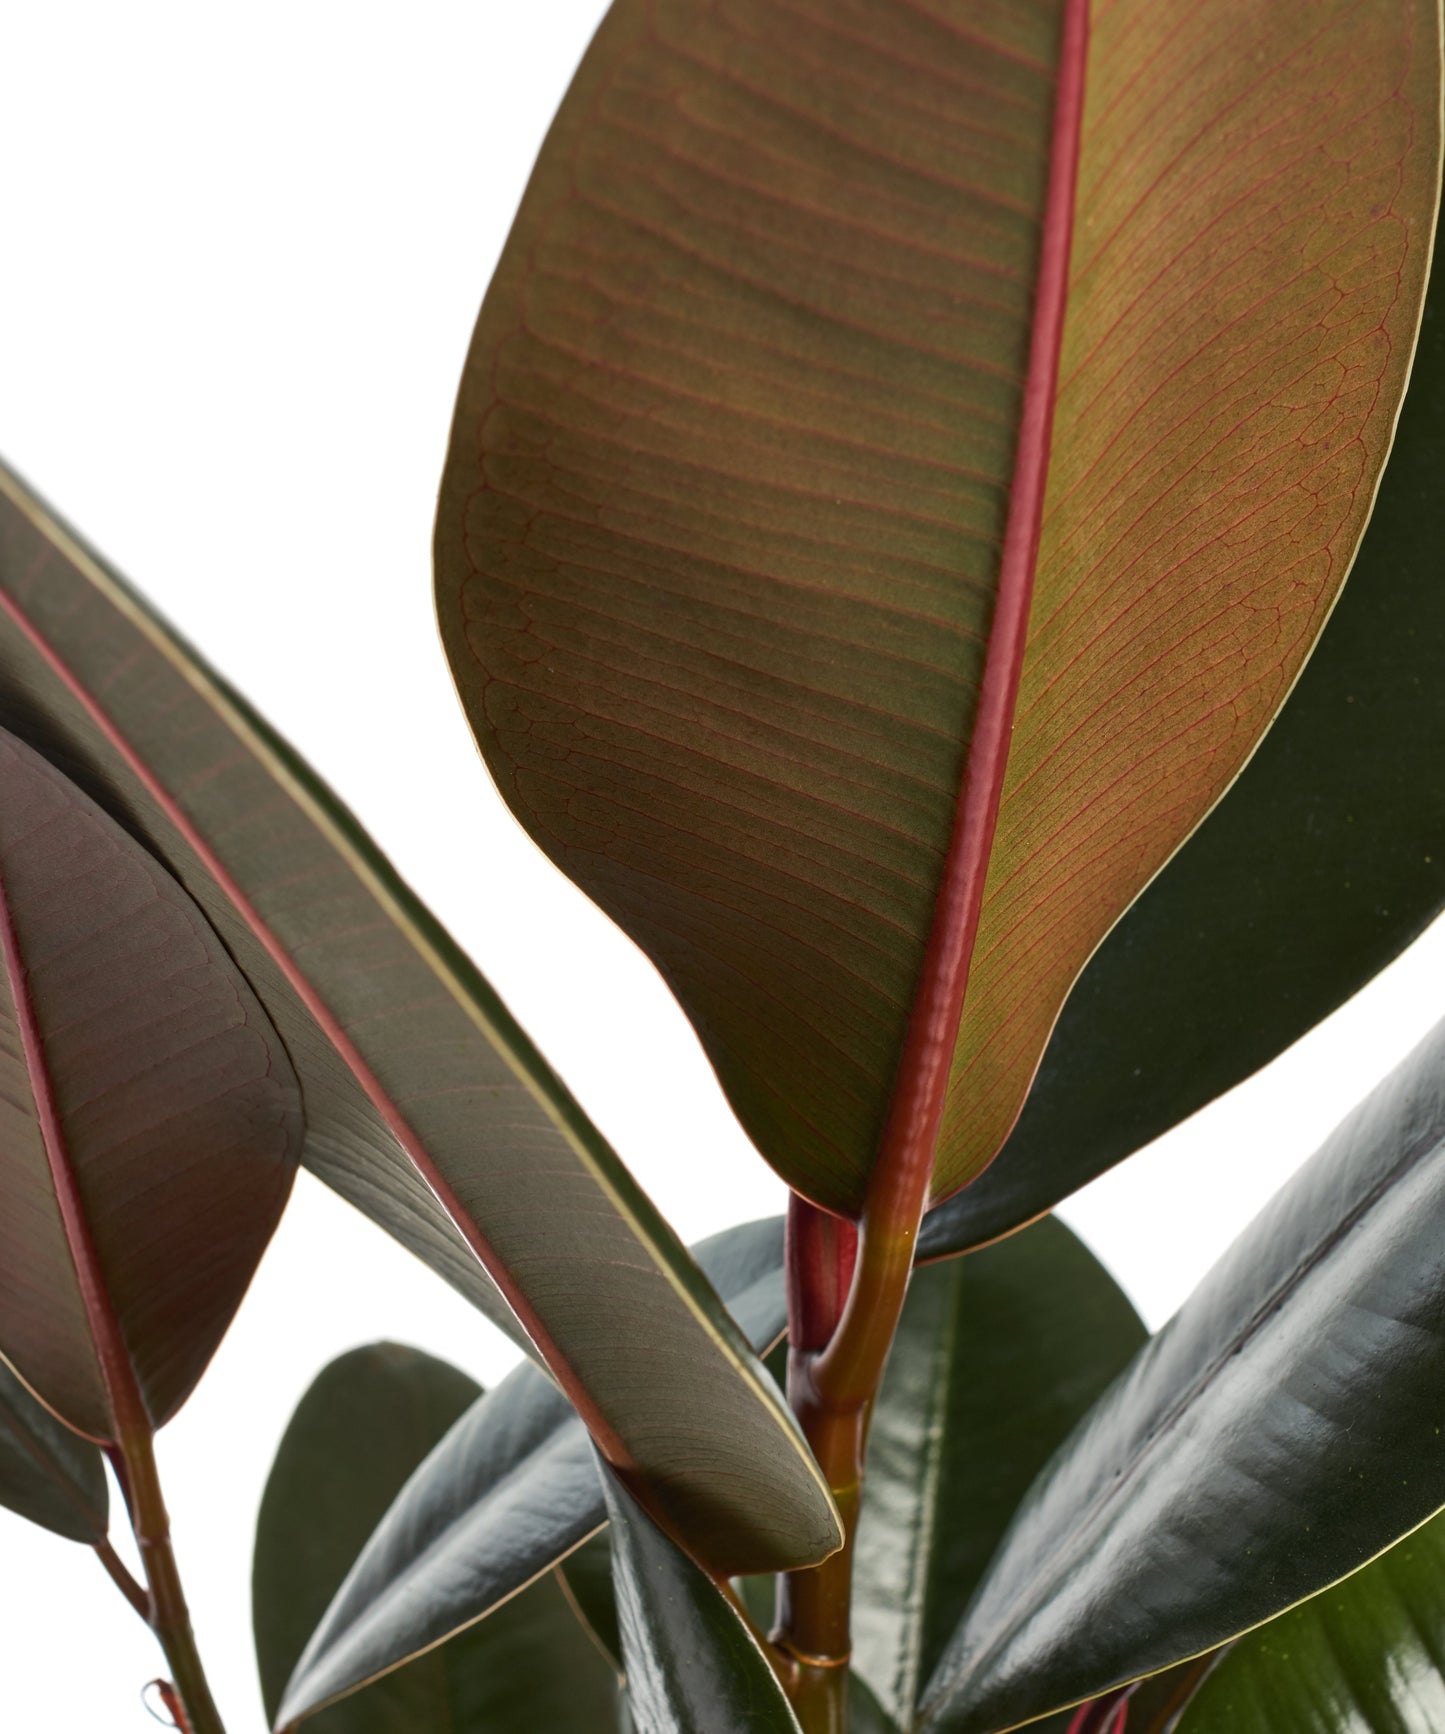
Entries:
{"x":607,"y":1437}
{"x":128,"y":1412}
{"x":910,"y":1137}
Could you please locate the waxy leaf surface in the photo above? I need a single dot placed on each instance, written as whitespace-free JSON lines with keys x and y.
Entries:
{"x":1324,"y":861}
{"x":1280,"y":1431}
{"x":47,"y":1472}
{"x":425,"y":1104}
{"x":692,"y":1666}
{"x":510,"y":1491}
{"x":150,"y":1121}
{"x":904,"y":459}
{"x":359,"y":1432}
{"x":1365,"y":1657}
{"x":997,"y":1357}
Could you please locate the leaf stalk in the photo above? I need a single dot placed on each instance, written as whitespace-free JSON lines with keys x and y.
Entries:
{"x":167,"y":1612}
{"x":121,"y":1577}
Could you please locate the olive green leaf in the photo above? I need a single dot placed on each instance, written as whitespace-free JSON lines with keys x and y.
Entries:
{"x":1280,"y":1431}
{"x":1365,"y":1657}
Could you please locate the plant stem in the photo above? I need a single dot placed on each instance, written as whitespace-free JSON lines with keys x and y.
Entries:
{"x":170,"y":1619}
{"x":122,"y":1579}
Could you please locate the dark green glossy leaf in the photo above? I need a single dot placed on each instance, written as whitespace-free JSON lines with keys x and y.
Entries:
{"x":150,"y":1121}
{"x":865,"y":1714}
{"x":997,"y":1356}
{"x":1365,"y":1657}
{"x":1321,"y":864}
{"x":692,"y":1666}
{"x":366,"y":1422}
{"x":47,"y":1472}
{"x":360,"y":1431}
{"x":1283,"y":1428}
{"x":425,"y":1104}
{"x":509,"y":1492}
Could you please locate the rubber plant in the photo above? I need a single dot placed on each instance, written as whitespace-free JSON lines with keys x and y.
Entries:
{"x":907,"y":457}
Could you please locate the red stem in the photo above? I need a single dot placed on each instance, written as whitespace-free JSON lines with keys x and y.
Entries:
{"x":165,"y":1607}
{"x":821,"y":1252}
{"x":832,"y":1387}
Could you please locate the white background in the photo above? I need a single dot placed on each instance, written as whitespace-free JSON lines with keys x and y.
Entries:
{"x":243,"y":249}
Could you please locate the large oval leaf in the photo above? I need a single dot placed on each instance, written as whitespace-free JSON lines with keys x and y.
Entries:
{"x":426,"y":1106}
{"x":150,"y":1121}
{"x":47,"y":1473}
{"x":509,"y":1492}
{"x":1279,"y":1431}
{"x":1322,"y":863}
{"x":358,"y":1433}
{"x":1366,"y":1657}
{"x":996,"y":1357}
{"x":692,"y":1666}
{"x":810,"y":512}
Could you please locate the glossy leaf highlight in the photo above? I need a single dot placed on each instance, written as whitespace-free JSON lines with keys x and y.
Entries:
{"x":1275,"y":1435}
{"x":1367,"y":1656}
{"x":508,"y":1493}
{"x":359,"y":1432}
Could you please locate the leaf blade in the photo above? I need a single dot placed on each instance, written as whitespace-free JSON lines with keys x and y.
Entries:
{"x":1277,"y":1433}
{"x":47,"y":1472}
{"x":732,"y":682}
{"x":1317,"y":868}
{"x":404,"y":1049}
{"x":1362,"y":1655}
{"x":692,"y":1666}
{"x":1243,"y":307}
{"x":362,"y":1427}
{"x":996,"y":1359}
{"x":152,"y":1118}
{"x":510,"y":1492}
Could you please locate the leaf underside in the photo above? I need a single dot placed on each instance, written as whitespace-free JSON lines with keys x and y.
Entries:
{"x":150,"y":1120}
{"x":508,"y":1493}
{"x":1319,"y":866}
{"x":692,"y":1667}
{"x":725,"y":511}
{"x":425,"y":1104}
